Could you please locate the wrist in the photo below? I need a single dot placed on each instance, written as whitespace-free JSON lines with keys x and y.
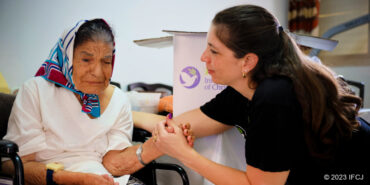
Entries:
{"x":60,"y":177}
{"x":150,"y":151}
{"x":67,"y":177}
{"x":51,"y":170}
{"x":139,"y":152}
{"x":187,"y":156}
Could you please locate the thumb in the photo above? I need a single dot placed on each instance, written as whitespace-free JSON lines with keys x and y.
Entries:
{"x":170,"y":129}
{"x":161,"y":128}
{"x":172,"y":126}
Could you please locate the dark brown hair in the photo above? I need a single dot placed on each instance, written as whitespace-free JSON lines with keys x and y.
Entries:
{"x":328,"y":111}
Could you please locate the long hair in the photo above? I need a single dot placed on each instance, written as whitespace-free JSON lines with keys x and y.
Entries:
{"x":328,"y":111}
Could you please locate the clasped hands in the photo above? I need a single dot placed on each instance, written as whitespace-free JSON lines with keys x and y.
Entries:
{"x":171,"y":138}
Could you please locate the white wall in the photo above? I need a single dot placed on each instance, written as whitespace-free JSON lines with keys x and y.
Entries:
{"x":29,"y":29}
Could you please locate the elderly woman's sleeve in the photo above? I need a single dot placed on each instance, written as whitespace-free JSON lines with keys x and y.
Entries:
{"x":24,"y":126}
{"x":120,"y":135}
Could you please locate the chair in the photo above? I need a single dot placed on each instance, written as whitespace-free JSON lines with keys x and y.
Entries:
{"x":10,"y":149}
{"x":148,"y":174}
{"x":166,"y":90}
{"x":140,"y":135}
{"x":361,"y":88}
{"x":359,"y":85}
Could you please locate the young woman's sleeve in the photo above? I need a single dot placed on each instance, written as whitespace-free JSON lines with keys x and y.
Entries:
{"x":227,"y":107}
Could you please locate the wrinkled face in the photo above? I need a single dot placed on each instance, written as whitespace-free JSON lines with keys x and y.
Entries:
{"x":92,"y":66}
{"x":220,"y":61}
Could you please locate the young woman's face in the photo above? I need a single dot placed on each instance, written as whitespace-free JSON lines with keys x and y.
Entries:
{"x":220,"y":61}
{"x":92,"y":66}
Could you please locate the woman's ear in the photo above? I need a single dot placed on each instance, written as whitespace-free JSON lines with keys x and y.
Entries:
{"x":250,"y":61}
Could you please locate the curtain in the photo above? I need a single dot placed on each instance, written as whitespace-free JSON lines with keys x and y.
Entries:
{"x":304,"y":16}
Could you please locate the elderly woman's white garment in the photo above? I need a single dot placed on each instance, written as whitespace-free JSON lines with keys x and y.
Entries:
{"x":47,"y":120}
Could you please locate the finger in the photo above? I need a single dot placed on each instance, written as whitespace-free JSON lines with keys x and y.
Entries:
{"x":111,"y":181}
{"x":108,"y":178}
{"x":187,"y":125}
{"x":186,"y":132}
{"x":154,"y":134}
{"x":190,"y":132}
{"x":154,"y":129}
{"x":157,"y":128}
{"x":169,"y":116}
{"x":170,"y":129}
{"x":189,"y":139}
{"x":161,"y":128}
{"x":154,"y":138}
{"x":176,"y":128}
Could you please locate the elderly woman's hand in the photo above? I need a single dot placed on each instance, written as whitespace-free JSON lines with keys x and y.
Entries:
{"x":92,"y":179}
{"x":170,"y":138}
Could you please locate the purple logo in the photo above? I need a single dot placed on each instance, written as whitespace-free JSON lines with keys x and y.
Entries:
{"x":190,"y":77}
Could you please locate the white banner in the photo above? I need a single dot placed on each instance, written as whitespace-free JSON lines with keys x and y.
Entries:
{"x":193,"y":87}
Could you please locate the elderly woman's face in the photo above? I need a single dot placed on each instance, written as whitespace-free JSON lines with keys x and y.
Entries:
{"x":92,"y":66}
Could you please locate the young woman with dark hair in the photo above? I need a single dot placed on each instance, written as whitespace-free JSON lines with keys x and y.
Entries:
{"x":300,"y":125}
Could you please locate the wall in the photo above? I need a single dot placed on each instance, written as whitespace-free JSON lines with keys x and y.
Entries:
{"x":351,"y":57}
{"x":29,"y":29}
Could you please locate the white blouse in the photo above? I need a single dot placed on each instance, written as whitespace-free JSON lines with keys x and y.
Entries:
{"x":47,"y":120}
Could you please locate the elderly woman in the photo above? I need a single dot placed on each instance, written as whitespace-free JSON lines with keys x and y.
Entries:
{"x":71,"y":126}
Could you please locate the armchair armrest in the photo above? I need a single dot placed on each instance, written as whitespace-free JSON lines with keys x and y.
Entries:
{"x":149,"y":177}
{"x":10,"y":149}
{"x":173,"y":167}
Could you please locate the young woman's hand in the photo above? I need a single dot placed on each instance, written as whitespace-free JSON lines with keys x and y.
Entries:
{"x":173,"y":143}
{"x":188,"y":133}
{"x":186,"y":128}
